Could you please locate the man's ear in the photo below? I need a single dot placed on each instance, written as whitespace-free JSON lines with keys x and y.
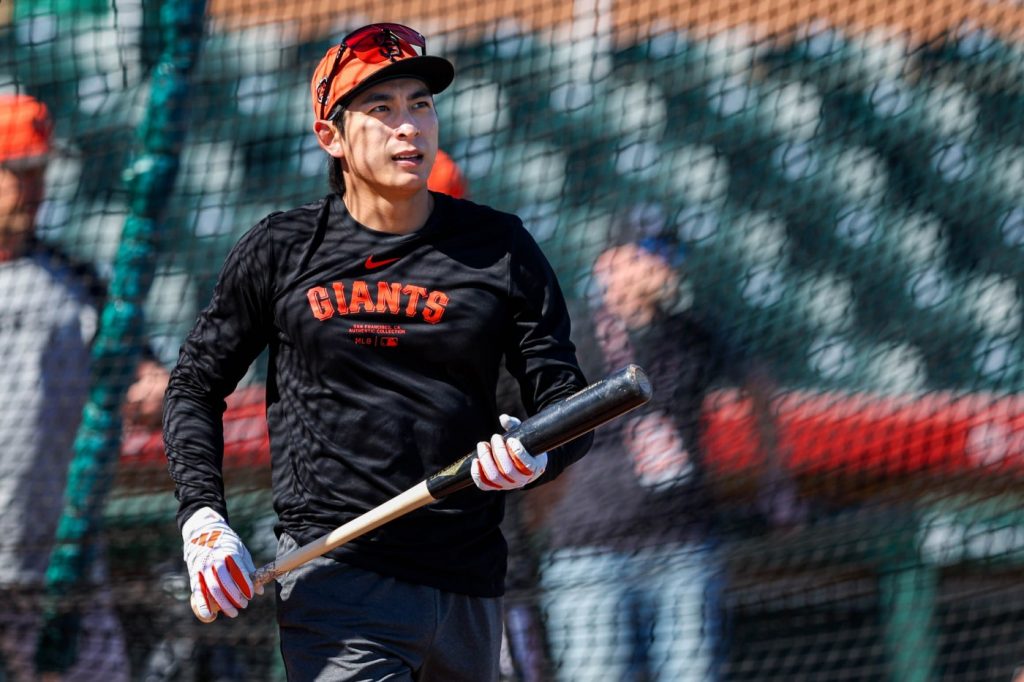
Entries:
{"x":328,"y":136}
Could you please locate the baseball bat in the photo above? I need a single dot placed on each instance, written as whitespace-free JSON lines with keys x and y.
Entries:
{"x":553,"y":426}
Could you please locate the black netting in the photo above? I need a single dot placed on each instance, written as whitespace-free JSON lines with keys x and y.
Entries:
{"x":805,"y":218}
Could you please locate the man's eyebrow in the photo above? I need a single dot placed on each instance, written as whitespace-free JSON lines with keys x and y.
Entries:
{"x":419,"y":93}
{"x":378,"y":97}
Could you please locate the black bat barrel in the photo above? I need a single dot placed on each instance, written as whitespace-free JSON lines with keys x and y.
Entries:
{"x":560,"y":423}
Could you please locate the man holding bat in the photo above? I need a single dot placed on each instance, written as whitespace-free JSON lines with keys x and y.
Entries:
{"x":387,"y":310}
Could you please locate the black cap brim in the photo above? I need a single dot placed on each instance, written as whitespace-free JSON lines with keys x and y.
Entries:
{"x":437,"y":72}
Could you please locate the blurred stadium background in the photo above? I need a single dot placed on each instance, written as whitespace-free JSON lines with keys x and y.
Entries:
{"x":846,"y":181}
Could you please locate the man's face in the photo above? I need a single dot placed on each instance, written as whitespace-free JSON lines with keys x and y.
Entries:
{"x":21,"y":192}
{"x":635,"y":282}
{"x":389,"y":140}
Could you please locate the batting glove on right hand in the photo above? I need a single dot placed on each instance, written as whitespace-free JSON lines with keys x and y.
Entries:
{"x":505,"y":464}
{"x":218,"y":564}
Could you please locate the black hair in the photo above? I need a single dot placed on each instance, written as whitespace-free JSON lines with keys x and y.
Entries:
{"x":335,"y":180}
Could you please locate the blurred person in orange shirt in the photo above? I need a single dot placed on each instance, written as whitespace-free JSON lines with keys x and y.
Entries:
{"x":446,"y":177}
{"x":48,"y":318}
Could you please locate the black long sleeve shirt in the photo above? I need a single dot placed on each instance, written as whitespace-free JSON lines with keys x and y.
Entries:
{"x":384,"y":354}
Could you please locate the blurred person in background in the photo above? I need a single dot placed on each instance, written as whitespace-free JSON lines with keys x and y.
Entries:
{"x":446,"y":177}
{"x":632,"y":585}
{"x":48,"y":318}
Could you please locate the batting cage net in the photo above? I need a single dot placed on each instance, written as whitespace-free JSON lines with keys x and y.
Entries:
{"x":804,"y":219}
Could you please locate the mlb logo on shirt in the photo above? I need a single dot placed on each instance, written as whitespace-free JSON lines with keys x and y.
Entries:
{"x":389,"y":341}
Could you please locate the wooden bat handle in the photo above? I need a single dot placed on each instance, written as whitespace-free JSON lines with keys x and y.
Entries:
{"x":411,"y":500}
{"x":555,"y":425}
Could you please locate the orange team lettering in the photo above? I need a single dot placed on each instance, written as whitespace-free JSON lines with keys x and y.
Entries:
{"x":434,"y":309}
{"x":339,"y":296}
{"x":320,"y":302}
{"x":390,"y":297}
{"x":414,"y":293}
{"x":360,"y":298}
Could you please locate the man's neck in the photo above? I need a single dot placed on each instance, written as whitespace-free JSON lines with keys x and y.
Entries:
{"x":394,"y":215}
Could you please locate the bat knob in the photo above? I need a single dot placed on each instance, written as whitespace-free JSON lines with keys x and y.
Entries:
{"x":195,"y":609}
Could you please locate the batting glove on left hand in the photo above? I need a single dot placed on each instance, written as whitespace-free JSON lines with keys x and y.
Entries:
{"x":219,"y":565}
{"x":505,"y":464}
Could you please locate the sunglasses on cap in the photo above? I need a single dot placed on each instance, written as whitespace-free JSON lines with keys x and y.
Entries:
{"x":371,"y":44}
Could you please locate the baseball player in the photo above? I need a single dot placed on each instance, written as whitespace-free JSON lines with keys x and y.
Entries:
{"x":387,"y":310}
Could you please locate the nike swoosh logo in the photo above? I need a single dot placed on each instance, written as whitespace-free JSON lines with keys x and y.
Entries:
{"x":371,"y":264}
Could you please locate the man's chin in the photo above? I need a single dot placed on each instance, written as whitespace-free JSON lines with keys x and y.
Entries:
{"x":408,"y":184}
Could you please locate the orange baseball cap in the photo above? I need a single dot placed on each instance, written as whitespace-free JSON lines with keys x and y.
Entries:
{"x":446,"y":177}
{"x":25,"y":130}
{"x":372,"y":54}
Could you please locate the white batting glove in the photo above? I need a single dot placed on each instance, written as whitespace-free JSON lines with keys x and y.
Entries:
{"x":506,"y":465}
{"x":218,"y":564}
